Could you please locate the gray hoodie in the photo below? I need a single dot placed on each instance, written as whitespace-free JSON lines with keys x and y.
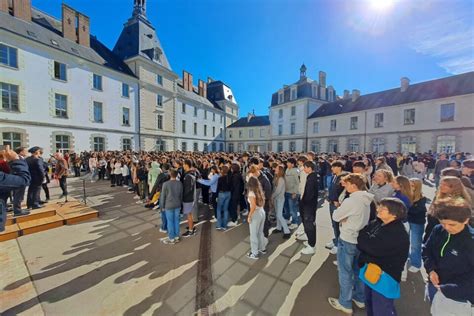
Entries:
{"x":356,"y":210}
{"x":381,"y":191}
{"x":171,"y":196}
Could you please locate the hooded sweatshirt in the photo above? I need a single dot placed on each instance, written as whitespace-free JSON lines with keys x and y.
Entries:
{"x":153,"y":173}
{"x":356,"y":210}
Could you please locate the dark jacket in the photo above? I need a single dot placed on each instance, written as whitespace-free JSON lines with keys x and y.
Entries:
{"x":36,"y":170}
{"x":237,"y":186}
{"x":224,"y":183}
{"x":309,"y":201}
{"x":385,"y":245}
{"x":452,"y":258}
{"x":162,"y":178}
{"x":189,"y":186}
{"x":417,"y":212}
{"x":335,"y":188}
{"x":432,"y":222}
{"x":267,"y":189}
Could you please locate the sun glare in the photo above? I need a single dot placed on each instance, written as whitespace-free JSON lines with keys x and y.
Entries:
{"x":381,"y":5}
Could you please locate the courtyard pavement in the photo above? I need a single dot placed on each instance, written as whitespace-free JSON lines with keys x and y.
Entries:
{"x":116,"y":265}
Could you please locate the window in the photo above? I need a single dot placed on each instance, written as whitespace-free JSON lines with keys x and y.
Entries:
{"x":159,"y":100}
{"x":292,"y":128}
{"x":378,"y":120}
{"x":125,"y":116}
{"x":213,"y":117}
{"x":280,"y":130}
{"x":447,"y":112}
{"x":280,"y":98}
{"x":353,"y":145}
{"x":60,"y":71}
{"x":183,"y":126}
{"x":315,"y":92}
{"x":315,"y":146}
{"x":159,"y":80}
{"x":126,"y":144}
{"x":444,"y":144}
{"x":409,"y":117}
{"x":354,"y":121}
{"x":99,"y":144}
{"x":62,"y":143}
{"x":262,"y":132}
{"x":160,"y":145}
{"x":240,"y":134}
{"x":315,"y":127}
{"x":213,"y":146}
{"x":221,"y":147}
{"x":333,"y":125}
{"x":184,"y":146}
{"x":195,"y":111}
{"x":250,"y":133}
{"x":98,"y":112}
{"x":280,"y":113}
{"x":213,"y":131}
{"x":125,"y":90}
{"x":332,"y":146}
{"x":292,"y":146}
{"x":61,"y":105}
{"x":12,"y":139}
{"x":205,"y":130}
{"x":205,"y":114}
{"x":230,"y":134}
{"x":293,"y":94}
{"x":408,"y":144}
{"x":195,"y":128}
{"x":9,"y":97}
{"x":97,"y":82}
{"x":159,"y":124}
{"x":378,"y":145}
{"x":183,"y":107}
{"x":279,"y":146}
{"x":221,"y":118}
{"x":293,"y":110}
{"x":205,"y":147}
{"x":195,"y":146}
{"x":8,"y":56}
{"x":231,"y":147}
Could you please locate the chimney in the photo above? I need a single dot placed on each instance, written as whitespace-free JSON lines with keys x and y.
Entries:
{"x":355,"y":95}
{"x":201,"y":88}
{"x":4,"y":7}
{"x":69,"y":23}
{"x":190,"y":78}
{"x":185,"y":80}
{"x":346,"y":94}
{"x":404,"y":83}
{"x":21,"y":9}
{"x":83,"y":32}
{"x":322,"y":79}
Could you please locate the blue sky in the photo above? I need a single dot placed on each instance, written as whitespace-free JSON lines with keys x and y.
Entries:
{"x":256,"y":46}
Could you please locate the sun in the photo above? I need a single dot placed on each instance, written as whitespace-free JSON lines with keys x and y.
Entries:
{"x":381,"y":5}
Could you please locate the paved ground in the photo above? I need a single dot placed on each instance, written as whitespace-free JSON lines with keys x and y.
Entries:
{"x":116,"y":265}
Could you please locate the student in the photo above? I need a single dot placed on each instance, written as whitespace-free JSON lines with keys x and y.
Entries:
{"x":170,"y":204}
{"x":292,"y":191}
{"x":416,"y":221}
{"x":256,"y":218}
{"x":383,"y":246}
{"x":189,"y":196}
{"x":308,"y":207}
{"x":224,"y":186}
{"x":334,"y":191}
{"x":278,"y":198}
{"x":448,"y":258}
{"x":402,"y":187}
{"x":381,"y":187}
{"x":352,"y":215}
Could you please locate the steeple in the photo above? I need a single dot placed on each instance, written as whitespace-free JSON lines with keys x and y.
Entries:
{"x":139,"y":8}
{"x":302,"y":71}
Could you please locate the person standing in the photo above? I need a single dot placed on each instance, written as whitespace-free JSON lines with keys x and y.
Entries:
{"x":189,"y":196}
{"x":236,"y":194}
{"x":416,"y":221}
{"x":278,"y":197}
{"x":440,"y":164}
{"x":224,"y":187}
{"x":256,"y":218}
{"x":19,"y":193}
{"x":170,"y":203}
{"x":292,"y":191}
{"x":61,"y":172}
{"x":352,"y":215}
{"x":35,"y":164}
{"x":308,"y":207}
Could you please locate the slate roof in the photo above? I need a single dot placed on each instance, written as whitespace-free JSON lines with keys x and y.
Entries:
{"x":253,"y":122}
{"x":194,"y":95}
{"x":48,"y":31}
{"x":303,"y":90}
{"x":428,"y":90}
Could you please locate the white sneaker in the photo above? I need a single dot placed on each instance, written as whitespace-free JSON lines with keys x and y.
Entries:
{"x":360,"y":305}
{"x":334,"y":302}
{"x":302,"y":237}
{"x":136,"y":197}
{"x":245,"y":213}
{"x":308,"y":250}
{"x":231,"y":224}
{"x":413,"y":269}
{"x":333,"y":251}
{"x":293,"y":226}
{"x":404,"y":275}
{"x":329,"y":245}
{"x":163,"y":231}
{"x":334,"y":263}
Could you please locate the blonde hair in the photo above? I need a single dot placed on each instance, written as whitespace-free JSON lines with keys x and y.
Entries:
{"x":417,"y":189}
{"x":388,"y":175}
{"x":457,"y":189}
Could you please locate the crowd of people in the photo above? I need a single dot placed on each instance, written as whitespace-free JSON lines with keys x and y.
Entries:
{"x":382,"y":224}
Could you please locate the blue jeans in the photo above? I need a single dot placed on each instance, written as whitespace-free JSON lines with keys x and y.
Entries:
{"x":223,"y":200}
{"x":416,"y":237}
{"x":164,"y":221}
{"x":281,"y":222}
{"x":335,"y":225}
{"x":351,"y":287}
{"x":293,"y":207}
{"x":328,"y":180}
{"x":172,"y":219}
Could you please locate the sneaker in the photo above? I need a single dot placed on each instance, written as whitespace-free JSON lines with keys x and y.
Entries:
{"x":308,"y":250}
{"x":252,"y":256}
{"x":263,"y":251}
{"x":231,"y":224}
{"x":413,"y":269}
{"x":189,"y":233}
{"x":334,"y":263}
{"x":404,"y":275}
{"x":245,"y":213}
{"x":163,"y":238}
{"x":177,"y":239}
{"x":136,"y":197}
{"x":163,"y":230}
{"x":21,"y":213}
{"x":293,"y":226}
{"x":333,"y":251}
{"x":155,"y":207}
{"x":286,"y":236}
{"x":219,"y":228}
{"x":168,"y":241}
{"x":334,"y":302}
{"x":329,"y":245}
{"x":360,"y":305}
{"x":302,"y":237}
{"x":139,"y":202}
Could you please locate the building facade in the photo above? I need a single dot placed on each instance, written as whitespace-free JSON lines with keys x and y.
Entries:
{"x":251,"y":133}
{"x":62,"y":90}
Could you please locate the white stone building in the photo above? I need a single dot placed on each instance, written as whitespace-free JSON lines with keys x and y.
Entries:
{"x":251,"y":133}
{"x":436,"y":115}
{"x":62,"y":89}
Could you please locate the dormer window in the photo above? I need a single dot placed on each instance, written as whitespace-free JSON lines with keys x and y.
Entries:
{"x":157,"y":55}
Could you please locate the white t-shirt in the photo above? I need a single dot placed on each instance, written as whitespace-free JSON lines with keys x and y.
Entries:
{"x":252,"y":194}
